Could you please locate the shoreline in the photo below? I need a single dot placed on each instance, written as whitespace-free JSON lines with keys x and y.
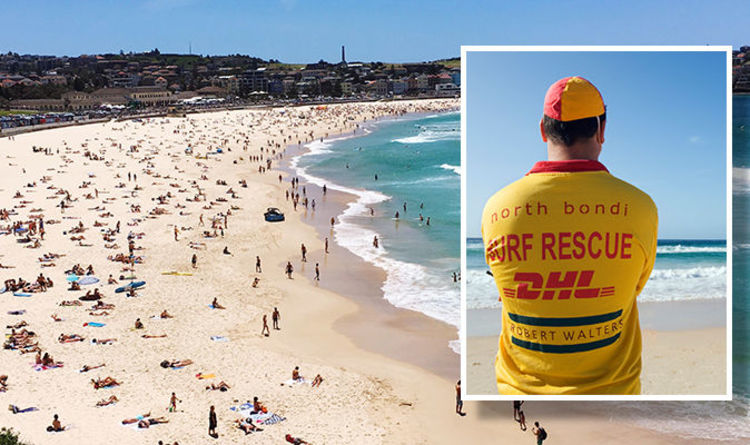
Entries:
{"x":377,"y":325}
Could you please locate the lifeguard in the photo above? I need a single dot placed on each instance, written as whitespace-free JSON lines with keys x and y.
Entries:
{"x":570,"y":248}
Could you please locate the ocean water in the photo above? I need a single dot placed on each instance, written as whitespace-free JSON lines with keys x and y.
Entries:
{"x":417,"y":161}
{"x":683,"y":270}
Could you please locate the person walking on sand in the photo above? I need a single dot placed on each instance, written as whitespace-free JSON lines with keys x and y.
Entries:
{"x":539,"y":433}
{"x":257,"y":264}
{"x":571,"y":215}
{"x":194,"y":261}
{"x":212,"y":423}
{"x":173,"y":403}
{"x":317,"y":272}
{"x":518,"y":415}
{"x":289,"y":269}
{"x":304,"y":253}
{"x":326,"y":249}
{"x":275,"y":317}
{"x":459,"y":401}
{"x":265,"y":331}
{"x":176,"y":231}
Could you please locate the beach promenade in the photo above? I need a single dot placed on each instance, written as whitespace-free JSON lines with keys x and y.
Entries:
{"x":173,"y":189}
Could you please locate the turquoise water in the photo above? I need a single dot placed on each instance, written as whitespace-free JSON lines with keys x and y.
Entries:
{"x":416,"y":160}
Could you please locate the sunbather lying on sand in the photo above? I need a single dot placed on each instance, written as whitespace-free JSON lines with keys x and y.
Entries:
{"x":222,"y":386}
{"x":103,"y":341}
{"x":64,"y":338}
{"x":110,"y":401}
{"x":246,"y":426}
{"x":87,"y":368}
{"x":175,"y":363}
{"x":105,"y":382}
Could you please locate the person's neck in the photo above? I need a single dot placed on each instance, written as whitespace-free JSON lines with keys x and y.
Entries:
{"x":588,"y":150}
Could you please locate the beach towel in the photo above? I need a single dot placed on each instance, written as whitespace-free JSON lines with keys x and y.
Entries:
{"x":21,"y":294}
{"x":292,"y":382}
{"x":94,"y":324}
{"x":219,"y":338}
{"x":17,"y":410}
{"x":88,"y":280}
{"x":41,"y":367}
{"x":201,"y":376}
{"x":263,"y":418}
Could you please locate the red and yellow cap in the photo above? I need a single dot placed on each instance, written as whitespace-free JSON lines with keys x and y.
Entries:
{"x":573,"y":98}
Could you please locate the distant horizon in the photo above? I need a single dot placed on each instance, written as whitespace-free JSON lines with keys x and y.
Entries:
{"x":169,"y":53}
{"x":305,"y":32}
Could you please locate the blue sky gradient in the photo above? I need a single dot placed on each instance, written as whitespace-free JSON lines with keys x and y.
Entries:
{"x":388,"y":31}
{"x":665,"y":133}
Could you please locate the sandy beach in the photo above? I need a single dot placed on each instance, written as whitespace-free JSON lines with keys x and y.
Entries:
{"x":379,"y":385}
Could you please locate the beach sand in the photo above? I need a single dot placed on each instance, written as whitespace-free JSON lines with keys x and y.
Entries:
{"x":367,"y":395}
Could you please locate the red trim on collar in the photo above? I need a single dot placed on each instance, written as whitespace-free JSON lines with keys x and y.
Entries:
{"x":570,"y":166}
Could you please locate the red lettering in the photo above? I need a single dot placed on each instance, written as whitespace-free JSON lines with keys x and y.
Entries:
{"x":553,"y":281}
{"x":615,"y":245}
{"x":525,"y":278}
{"x":548,"y":242}
{"x":580,"y":248}
{"x":526,"y":243}
{"x":563,"y":245}
{"x":591,"y":249}
{"x":513,"y":244}
{"x":626,"y":245}
{"x":568,"y":209}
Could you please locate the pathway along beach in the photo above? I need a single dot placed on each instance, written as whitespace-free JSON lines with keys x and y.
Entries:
{"x":196,"y":186}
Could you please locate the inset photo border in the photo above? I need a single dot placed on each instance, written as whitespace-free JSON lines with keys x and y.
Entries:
{"x":559,"y":206}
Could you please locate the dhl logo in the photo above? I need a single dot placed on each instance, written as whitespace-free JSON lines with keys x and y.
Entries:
{"x":563,"y":285}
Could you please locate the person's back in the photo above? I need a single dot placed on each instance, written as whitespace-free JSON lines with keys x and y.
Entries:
{"x":570,"y":247}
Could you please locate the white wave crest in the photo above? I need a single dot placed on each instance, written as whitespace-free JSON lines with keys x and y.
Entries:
{"x":455,"y":168}
{"x":689,"y":249}
{"x":407,"y":285}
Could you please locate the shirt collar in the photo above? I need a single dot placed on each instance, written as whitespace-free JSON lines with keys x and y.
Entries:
{"x":569,"y":166}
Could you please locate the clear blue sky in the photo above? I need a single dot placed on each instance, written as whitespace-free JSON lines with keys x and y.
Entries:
{"x":665,"y":133}
{"x":390,"y":30}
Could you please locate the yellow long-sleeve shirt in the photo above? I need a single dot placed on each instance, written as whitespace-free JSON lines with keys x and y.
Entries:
{"x":570,"y":247}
